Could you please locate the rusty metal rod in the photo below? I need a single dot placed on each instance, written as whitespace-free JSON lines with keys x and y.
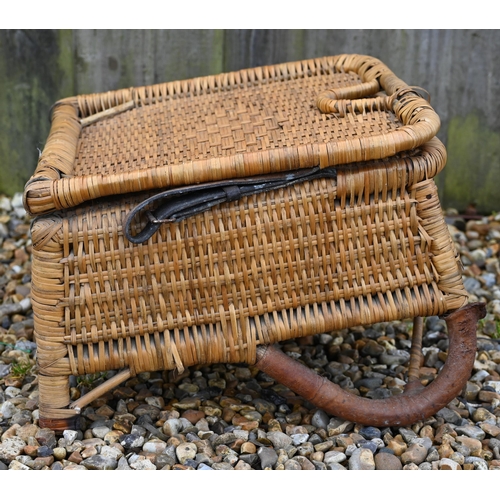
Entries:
{"x":403,"y":409}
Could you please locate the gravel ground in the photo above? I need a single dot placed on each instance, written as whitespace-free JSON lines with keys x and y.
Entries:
{"x":233,"y":417}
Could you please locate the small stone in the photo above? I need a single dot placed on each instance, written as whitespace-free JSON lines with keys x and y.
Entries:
{"x":131,"y":441}
{"x":194,"y":416}
{"x":338,"y":426}
{"x":10,"y":448}
{"x":123,"y":464}
{"x":487,"y":396}
{"x":70,"y":436}
{"x":448,"y":464}
{"x":425,"y":466}
{"x":479,"y":463}
{"x":44,"y":451}
{"x":370,"y":432}
{"x":397,"y":445}
{"x":442,"y":431}
{"x":75,"y":457}
{"x":98,"y":462}
{"x":445,"y":450}
{"x":292,"y":464}
{"x":371,"y":445}
{"x":305,"y":449}
{"x":323,"y":446}
{"x":433,"y":455}
{"x":100,"y":431}
{"x":73,"y":466}
{"x":155,"y":446}
{"x":471,"y":391}
{"x":279,"y":439}
{"x":172,"y":427}
{"x":186,"y":451}
{"x":143,"y":465}
{"x":46,"y":437}
{"x":335,"y":466}
{"x":450,"y":416}
{"x":482,"y":414}
{"x":89,"y":451}
{"x":494,"y":384}
{"x":425,"y":442}
{"x":320,"y":419}
{"x":362,"y":459}
{"x":268,"y":457}
{"x":240,"y":465}
{"x":27,"y":431}
{"x":471,"y":431}
{"x":387,"y":461}
{"x":411,"y":466}
{"x":474,"y":445}
{"x":492,"y":430}
{"x":7,"y":409}
{"x":40,"y":462}
{"x":319,"y":465}
{"x":299,"y":439}
{"x":458,"y":458}
{"x":16,"y":465}
{"x":248,"y":447}
{"x":407,"y":434}
{"x":416,"y":454}
{"x":394,"y":357}
{"x":263,"y":406}
{"x":350,"y":449}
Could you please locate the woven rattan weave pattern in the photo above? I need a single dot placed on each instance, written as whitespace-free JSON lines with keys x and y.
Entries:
{"x":241,"y":122}
{"x":365,"y":245}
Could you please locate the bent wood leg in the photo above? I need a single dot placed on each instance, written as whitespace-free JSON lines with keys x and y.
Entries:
{"x":413,"y":405}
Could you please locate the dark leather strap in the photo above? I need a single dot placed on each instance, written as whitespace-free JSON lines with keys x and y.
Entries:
{"x":179,"y":203}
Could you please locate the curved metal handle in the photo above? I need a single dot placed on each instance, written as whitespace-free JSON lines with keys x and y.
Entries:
{"x":413,"y":405}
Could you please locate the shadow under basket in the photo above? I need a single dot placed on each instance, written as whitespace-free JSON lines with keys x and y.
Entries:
{"x":204,"y":220}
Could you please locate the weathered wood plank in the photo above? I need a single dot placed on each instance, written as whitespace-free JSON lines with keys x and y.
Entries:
{"x":113,"y":59}
{"x":33,"y":74}
{"x":459,"y":68}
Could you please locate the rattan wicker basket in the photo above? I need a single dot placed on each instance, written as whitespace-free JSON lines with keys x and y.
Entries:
{"x":341,"y":226}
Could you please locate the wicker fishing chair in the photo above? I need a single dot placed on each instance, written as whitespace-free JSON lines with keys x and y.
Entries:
{"x":201,"y":221}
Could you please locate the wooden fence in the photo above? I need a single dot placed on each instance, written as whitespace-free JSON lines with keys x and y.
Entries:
{"x":459,"y":68}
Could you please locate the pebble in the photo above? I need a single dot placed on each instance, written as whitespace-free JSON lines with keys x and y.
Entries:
{"x":334,"y":457}
{"x":99,"y":462}
{"x":471,"y":431}
{"x":268,"y":457}
{"x":232,"y":417}
{"x":362,"y":459}
{"x":320,"y":419}
{"x":279,"y":439}
{"x":387,"y":461}
{"x":416,"y":454}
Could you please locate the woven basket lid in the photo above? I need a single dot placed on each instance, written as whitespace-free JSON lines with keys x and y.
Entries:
{"x":331,"y":111}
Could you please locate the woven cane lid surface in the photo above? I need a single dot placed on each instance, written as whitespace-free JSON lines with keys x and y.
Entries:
{"x":329,"y":111}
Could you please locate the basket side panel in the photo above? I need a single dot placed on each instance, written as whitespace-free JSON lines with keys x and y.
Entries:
{"x":314,"y":257}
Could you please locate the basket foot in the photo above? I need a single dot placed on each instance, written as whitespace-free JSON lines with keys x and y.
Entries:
{"x":66,"y":415}
{"x":59,"y":425}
